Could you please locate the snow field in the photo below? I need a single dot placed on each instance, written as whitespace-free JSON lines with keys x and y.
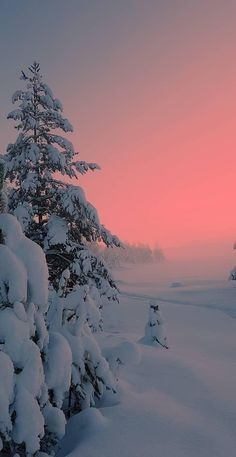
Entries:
{"x":178,"y":402}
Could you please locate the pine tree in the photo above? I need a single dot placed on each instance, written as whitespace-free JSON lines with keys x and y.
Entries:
{"x":54,"y":213}
{"x":57,"y":216}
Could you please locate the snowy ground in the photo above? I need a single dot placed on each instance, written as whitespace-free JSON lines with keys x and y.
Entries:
{"x":179,"y":402}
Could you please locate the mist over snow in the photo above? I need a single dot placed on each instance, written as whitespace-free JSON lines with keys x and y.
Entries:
{"x":209,"y":259}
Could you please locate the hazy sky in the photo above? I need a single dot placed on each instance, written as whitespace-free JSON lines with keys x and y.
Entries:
{"x":150,"y":88}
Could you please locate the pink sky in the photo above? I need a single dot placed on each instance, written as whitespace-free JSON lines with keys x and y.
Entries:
{"x":162,"y":125}
{"x":150,"y":89}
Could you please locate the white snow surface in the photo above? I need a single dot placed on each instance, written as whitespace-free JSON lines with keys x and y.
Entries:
{"x":176,"y":402}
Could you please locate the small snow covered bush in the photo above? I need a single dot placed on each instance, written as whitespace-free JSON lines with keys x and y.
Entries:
{"x":233,"y":272}
{"x":154,"y":329}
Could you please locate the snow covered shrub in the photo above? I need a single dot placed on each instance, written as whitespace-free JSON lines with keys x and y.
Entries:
{"x":154,"y":329}
{"x":24,"y":401}
{"x":233,"y":272}
{"x":56,"y":215}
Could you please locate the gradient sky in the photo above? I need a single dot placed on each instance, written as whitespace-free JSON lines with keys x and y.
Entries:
{"x":150,"y":88}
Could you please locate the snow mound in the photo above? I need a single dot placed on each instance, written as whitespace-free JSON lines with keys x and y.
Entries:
{"x":81,"y":428}
{"x":123,"y":354}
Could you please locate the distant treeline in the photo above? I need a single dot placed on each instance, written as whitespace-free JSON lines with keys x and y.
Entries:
{"x":129,"y":253}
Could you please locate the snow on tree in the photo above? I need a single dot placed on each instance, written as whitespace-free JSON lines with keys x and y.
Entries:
{"x":91,"y":374}
{"x":3,"y":198}
{"x":56,"y":215}
{"x":25,"y":427}
{"x":154,"y":329}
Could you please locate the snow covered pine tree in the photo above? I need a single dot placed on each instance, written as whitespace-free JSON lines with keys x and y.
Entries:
{"x":57,"y":216}
{"x":24,"y":344}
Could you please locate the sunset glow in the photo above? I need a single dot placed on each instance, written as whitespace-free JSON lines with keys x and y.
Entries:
{"x":150,"y":90}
